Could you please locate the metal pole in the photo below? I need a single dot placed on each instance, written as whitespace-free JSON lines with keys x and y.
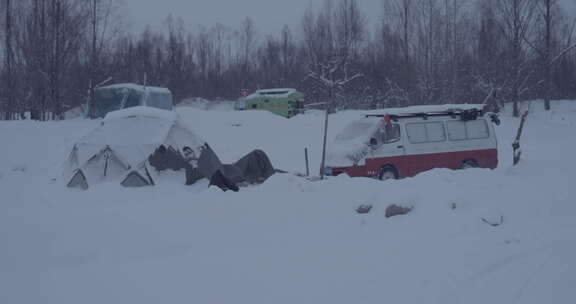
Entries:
{"x":324,"y":141}
{"x":307,"y":164}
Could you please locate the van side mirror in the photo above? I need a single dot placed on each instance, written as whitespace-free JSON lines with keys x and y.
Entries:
{"x":495,"y":119}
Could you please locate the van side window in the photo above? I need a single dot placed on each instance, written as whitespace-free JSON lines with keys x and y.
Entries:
{"x":463,"y":130}
{"x":435,"y":131}
{"x":425,"y":132}
{"x":388,"y":134}
{"x":477,"y":129}
{"x":456,"y":130}
{"x":416,"y":132}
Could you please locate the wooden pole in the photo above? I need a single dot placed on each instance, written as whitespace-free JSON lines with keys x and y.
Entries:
{"x":517,"y":153}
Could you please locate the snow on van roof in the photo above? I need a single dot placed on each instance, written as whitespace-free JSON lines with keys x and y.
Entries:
{"x":273,"y":93}
{"x":426,"y":109}
{"x":137,"y":87}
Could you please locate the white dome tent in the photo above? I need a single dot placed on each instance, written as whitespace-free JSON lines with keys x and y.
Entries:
{"x":132,"y":145}
{"x":120,"y":148}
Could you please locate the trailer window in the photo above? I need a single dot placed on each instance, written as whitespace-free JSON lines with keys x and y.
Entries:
{"x":425,"y":132}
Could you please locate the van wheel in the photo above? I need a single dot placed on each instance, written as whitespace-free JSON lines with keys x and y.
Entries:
{"x":468,"y":164}
{"x":388,"y":172}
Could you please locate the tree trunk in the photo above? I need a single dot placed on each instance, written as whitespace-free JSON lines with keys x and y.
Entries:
{"x":9,"y":83}
{"x":547,"y":54}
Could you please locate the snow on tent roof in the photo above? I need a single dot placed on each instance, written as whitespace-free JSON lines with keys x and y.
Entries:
{"x":137,"y":87}
{"x":134,"y":133}
{"x":142,"y":111}
{"x":273,"y":93}
{"x":426,"y":109}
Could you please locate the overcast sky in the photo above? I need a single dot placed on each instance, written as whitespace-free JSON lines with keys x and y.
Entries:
{"x":268,"y":15}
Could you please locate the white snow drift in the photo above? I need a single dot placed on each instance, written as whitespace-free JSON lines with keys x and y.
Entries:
{"x":290,"y":240}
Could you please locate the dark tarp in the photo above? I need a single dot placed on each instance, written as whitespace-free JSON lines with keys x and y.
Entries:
{"x":219,"y":180}
{"x":167,"y":158}
{"x":234,"y":173}
{"x":208,"y":162}
{"x":255,"y":167}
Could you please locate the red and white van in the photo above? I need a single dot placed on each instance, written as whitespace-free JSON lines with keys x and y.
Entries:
{"x":397,"y":143}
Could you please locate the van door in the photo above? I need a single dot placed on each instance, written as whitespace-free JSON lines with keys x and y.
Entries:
{"x":387,"y":146}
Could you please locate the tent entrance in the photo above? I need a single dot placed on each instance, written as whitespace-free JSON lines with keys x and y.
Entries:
{"x":135,"y":180}
{"x":78,"y":181}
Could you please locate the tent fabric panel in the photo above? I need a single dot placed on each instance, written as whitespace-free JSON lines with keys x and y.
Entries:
{"x":180,"y":136}
{"x":135,"y":180}
{"x":165,"y":158}
{"x":113,"y":167}
{"x":133,"y":155}
{"x":208,"y":162}
{"x":78,"y":181}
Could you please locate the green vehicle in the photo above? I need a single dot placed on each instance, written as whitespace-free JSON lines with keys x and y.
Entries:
{"x":283,"y":102}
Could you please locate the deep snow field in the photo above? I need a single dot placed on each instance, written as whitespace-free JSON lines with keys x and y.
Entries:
{"x":291,"y":240}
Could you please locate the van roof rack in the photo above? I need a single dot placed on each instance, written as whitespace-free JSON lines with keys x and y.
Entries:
{"x":465,"y":114}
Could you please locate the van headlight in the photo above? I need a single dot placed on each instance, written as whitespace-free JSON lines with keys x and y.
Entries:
{"x":328,"y":171}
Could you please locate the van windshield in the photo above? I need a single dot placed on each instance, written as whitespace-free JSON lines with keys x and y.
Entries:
{"x":111,"y":99}
{"x":106,"y":100}
{"x":357,"y":129}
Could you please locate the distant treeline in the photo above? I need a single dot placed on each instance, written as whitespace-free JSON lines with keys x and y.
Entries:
{"x":55,"y":52}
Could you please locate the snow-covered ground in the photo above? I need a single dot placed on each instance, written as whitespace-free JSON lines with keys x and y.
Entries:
{"x":290,"y":240}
